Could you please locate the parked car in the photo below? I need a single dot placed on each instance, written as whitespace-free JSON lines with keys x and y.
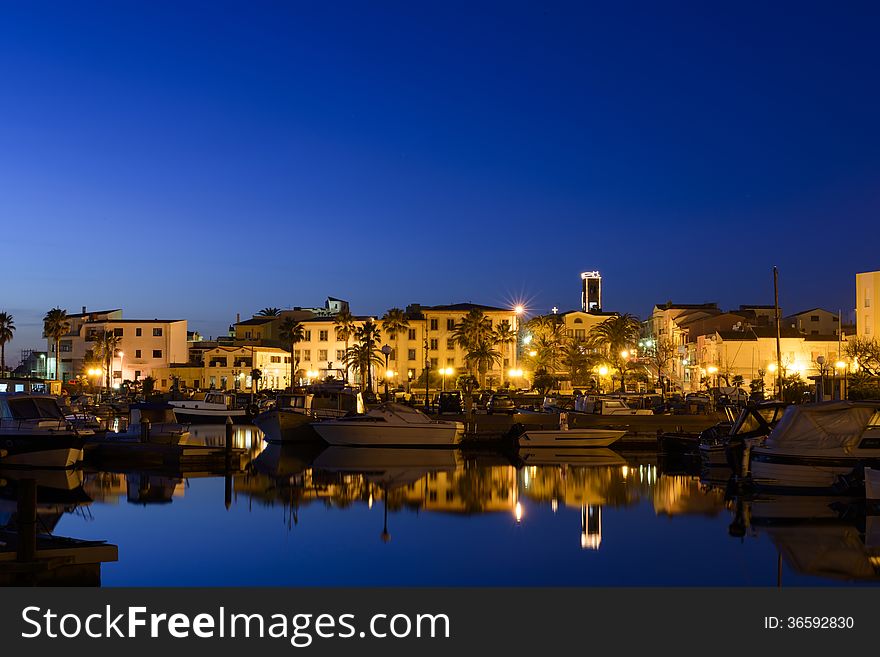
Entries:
{"x":450,"y":402}
{"x":500,"y":402}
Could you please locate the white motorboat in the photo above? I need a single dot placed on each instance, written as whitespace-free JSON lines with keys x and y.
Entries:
{"x":390,"y":425}
{"x":872,"y":484}
{"x":754,"y":423}
{"x":34,"y":433}
{"x":814,"y":445}
{"x":215,"y":408}
{"x":290,"y":420}
{"x":570,"y":437}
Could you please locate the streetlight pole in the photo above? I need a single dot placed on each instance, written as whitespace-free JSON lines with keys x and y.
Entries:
{"x":387,"y":351}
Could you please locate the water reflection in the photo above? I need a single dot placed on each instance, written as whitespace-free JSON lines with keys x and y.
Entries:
{"x":382,"y":515}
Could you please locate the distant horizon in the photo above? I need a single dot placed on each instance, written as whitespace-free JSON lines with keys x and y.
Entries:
{"x":218,"y":327}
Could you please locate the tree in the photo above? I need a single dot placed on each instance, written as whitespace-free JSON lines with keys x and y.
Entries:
{"x":543,"y":382}
{"x":292,"y":332}
{"x":55,"y":326}
{"x":482,"y":356}
{"x":7,"y":328}
{"x":147,"y":386}
{"x":394,"y":323}
{"x":367,"y":337}
{"x":548,"y":342}
{"x":474,"y":334}
{"x":269,"y":312}
{"x":105,"y":349}
{"x":661,"y":352}
{"x":345,"y":326}
{"x":616,"y":336}
{"x":505,"y":335}
{"x":578,"y":360}
{"x":256,"y":377}
{"x":865,"y":352}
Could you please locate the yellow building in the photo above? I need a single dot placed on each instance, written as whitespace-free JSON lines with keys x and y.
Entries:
{"x":867,"y":317}
{"x":748,"y":353}
{"x":229,"y":368}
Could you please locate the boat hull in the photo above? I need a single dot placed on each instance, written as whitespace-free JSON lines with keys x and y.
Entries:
{"x":41,"y":451}
{"x":286,"y":427}
{"x":570,"y":438}
{"x":208,"y":416}
{"x":343,"y":433}
{"x":872,"y":484}
{"x":787,"y":471}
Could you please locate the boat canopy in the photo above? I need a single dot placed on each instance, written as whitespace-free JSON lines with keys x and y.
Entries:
{"x":822,"y":426}
{"x":407,"y":414}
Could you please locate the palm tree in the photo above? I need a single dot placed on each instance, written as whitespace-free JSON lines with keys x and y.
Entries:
{"x":616,"y":336}
{"x":7,"y":328}
{"x":505,"y":335}
{"x":292,"y":332}
{"x":105,"y":349}
{"x":473,"y":329}
{"x":394,"y":323}
{"x":345,"y":326}
{"x":368,"y":337}
{"x":482,"y":357}
{"x":361,"y":357}
{"x":55,"y":326}
{"x":269,"y":312}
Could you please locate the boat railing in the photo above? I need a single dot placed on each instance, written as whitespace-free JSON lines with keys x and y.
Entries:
{"x":50,"y":424}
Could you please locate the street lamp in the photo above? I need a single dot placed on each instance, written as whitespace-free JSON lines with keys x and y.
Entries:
{"x":387,"y":351}
{"x":839,"y":365}
{"x":820,"y":394}
{"x":444,"y":372}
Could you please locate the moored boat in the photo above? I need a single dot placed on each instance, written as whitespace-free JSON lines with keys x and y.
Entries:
{"x":34,"y":433}
{"x":570,"y":437}
{"x":390,"y":425}
{"x":815,"y":445}
{"x":290,"y":420}
{"x":215,"y":408}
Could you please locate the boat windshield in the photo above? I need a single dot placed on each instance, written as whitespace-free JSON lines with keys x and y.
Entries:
{"x":753,"y":420}
{"x":34,"y":408}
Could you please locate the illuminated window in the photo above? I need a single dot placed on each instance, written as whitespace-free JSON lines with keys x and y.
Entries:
{"x":322,"y":336}
{"x":450,"y":324}
{"x":157,"y":332}
{"x":412,"y":334}
{"x":434,"y":324}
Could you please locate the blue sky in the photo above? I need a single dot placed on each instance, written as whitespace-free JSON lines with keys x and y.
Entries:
{"x":199,"y":160}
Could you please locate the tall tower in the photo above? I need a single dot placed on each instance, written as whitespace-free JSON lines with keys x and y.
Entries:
{"x":591,"y":292}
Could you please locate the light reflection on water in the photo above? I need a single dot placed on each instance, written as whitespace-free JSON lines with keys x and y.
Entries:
{"x":349,"y":516}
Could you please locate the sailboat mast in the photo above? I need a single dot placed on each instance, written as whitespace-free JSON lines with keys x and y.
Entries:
{"x":778,"y":336}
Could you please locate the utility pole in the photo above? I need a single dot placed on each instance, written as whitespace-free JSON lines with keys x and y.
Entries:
{"x":427,"y":370}
{"x":778,"y":334}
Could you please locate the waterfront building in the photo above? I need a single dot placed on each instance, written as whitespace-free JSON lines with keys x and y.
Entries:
{"x":751,"y":354}
{"x":230,"y":368}
{"x":867,"y":318}
{"x":144,"y":345}
{"x":815,"y":321}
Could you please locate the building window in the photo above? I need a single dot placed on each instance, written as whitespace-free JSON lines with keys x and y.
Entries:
{"x":138,"y":331}
{"x":322,"y":354}
{"x":275,"y":359}
{"x":867,"y":297}
{"x":157,"y":332}
{"x":814,"y":318}
{"x":137,"y":374}
{"x":450,"y":324}
{"x":137,"y":353}
{"x":450,"y":344}
{"x":412,"y":334}
{"x":157,"y":353}
{"x":340,"y":354}
{"x":322,"y":336}
{"x":307,"y":336}
{"x":117,"y":332}
{"x":435,"y":362}
{"x":67,"y":345}
{"x":434,"y":324}
{"x":392,"y":355}
{"x":450,"y":361}
{"x":411,"y":354}
{"x":580,"y":334}
{"x":164,"y":382}
{"x":434,"y":342}
{"x":296,"y":355}
{"x":506,"y":363}
{"x":307,"y":355}
{"x":117,"y":374}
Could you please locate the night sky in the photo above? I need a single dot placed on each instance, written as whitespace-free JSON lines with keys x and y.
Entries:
{"x":198,"y":160}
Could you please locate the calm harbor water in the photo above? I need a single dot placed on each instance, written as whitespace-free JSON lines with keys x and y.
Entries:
{"x":426,"y":517}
